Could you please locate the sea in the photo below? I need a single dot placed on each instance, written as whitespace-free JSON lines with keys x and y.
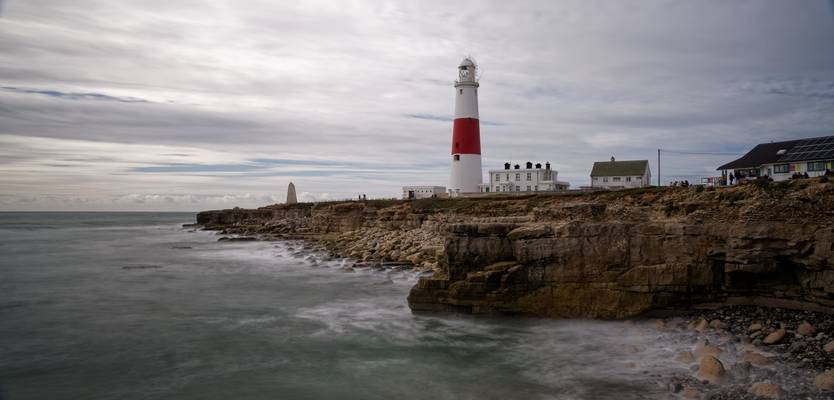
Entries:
{"x":136,"y":306}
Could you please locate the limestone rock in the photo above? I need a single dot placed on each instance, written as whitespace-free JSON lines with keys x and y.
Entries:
{"x":660,"y":325}
{"x":598,"y":255}
{"x":825,"y":380}
{"x":775,"y":337}
{"x":806,"y":329}
{"x":685,"y":357}
{"x":718,"y":324}
{"x":701,"y":325}
{"x":706,"y":350}
{"x":691,"y":393}
{"x":766,"y":390}
{"x":829,"y":347}
{"x":711,"y":369}
{"x":754,"y":358}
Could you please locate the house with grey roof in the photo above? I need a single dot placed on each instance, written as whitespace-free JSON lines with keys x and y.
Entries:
{"x":781,"y":160}
{"x":620,"y":174}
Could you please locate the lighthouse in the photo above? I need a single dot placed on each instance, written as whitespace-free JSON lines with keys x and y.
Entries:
{"x":466,"y":133}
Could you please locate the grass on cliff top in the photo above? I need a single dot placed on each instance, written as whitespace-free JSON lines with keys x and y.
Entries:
{"x":649,"y":194}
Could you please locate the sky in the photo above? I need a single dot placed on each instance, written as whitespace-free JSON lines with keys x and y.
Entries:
{"x":191,"y":105}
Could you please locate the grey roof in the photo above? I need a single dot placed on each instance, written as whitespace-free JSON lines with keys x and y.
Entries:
{"x":820,"y":148}
{"x":765,"y":153}
{"x":620,"y":168}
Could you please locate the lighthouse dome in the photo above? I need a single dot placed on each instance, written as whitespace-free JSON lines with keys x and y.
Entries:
{"x":467,"y":62}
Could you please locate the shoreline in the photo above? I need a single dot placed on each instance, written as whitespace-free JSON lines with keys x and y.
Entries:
{"x":749,"y":368}
{"x":720,"y":260}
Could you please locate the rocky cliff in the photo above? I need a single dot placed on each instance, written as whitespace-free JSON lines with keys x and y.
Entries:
{"x":602,"y":255}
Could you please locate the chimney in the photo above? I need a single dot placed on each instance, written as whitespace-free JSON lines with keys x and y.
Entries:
{"x":612,"y":158}
{"x":529,"y":165}
{"x":506,"y":165}
{"x":547,"y":165}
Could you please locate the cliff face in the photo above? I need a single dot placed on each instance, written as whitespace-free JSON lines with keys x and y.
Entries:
{"x":619,"y":269}
{"x":602,"y":255}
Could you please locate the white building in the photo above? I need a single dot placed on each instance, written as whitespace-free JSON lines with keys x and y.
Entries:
{"x":422,"y":192}
{"x":782,"y":160}
{"x":529,"y":179}
{"x":620,"y":174}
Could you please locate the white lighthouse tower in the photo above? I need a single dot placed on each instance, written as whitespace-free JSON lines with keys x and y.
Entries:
{"x":466,"y":134}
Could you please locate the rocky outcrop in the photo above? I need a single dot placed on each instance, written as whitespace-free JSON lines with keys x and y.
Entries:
{"x":614,"y":269}
{"x":602,"y":255}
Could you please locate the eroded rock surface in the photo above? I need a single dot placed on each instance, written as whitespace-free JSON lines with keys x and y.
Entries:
{"x":601,"y":255}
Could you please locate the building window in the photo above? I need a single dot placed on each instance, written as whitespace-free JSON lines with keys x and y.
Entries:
{"x":497,"y":177}
{"x":518,"y":177}
{"x":596,"y":179}
{"x":508,"y":177}
{"x":605,"y":179}
{"x":528,"y":188}
{"x":780,"y":168}
{"x":457,"y":157}
{"x":518,"y":188}
{"x":461,"y":91}
{"x":816,"y":166}
{"x":529,"y":176}
{"x":628,"y":179}
{"x":536,"y":188}
{"x":616,"y":179}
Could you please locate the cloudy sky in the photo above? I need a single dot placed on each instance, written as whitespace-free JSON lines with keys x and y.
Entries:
{"x":190,"y":105}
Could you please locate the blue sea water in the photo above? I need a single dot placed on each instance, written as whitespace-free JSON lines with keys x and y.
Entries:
{"x":134,"y":306}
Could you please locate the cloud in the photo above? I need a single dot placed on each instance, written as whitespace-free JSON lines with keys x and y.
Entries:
{"x":442,"y":118}
{"x":74,"y":96}
{"x":199,"y":101}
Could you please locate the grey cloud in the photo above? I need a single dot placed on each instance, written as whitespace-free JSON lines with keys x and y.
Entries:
{"x":74,"y":95}
{"x":443,"y":118}
{"x":347,"y":97}
{"x":446,"y":118}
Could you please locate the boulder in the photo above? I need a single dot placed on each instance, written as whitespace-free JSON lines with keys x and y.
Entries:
{"x":660,"y":325}
{"x":691,"y":393}
{"x":766,"y":390}
{"x":706,"y":350}
{"x":754,"y":358}
{"x":806,"y":329}
{"x":740,"y":371}
{"x":718,"y":324}
{"x":685,"y":357}
{"x":829,"y":347}
{"x":775,"y":337}
{"x":711,"y":369}
{"x":701,"y":325}
{"x":754,"y":327}
{"x":825,"y":380}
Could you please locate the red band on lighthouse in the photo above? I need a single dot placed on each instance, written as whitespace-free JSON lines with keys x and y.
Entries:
{"x":466,"y":136}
